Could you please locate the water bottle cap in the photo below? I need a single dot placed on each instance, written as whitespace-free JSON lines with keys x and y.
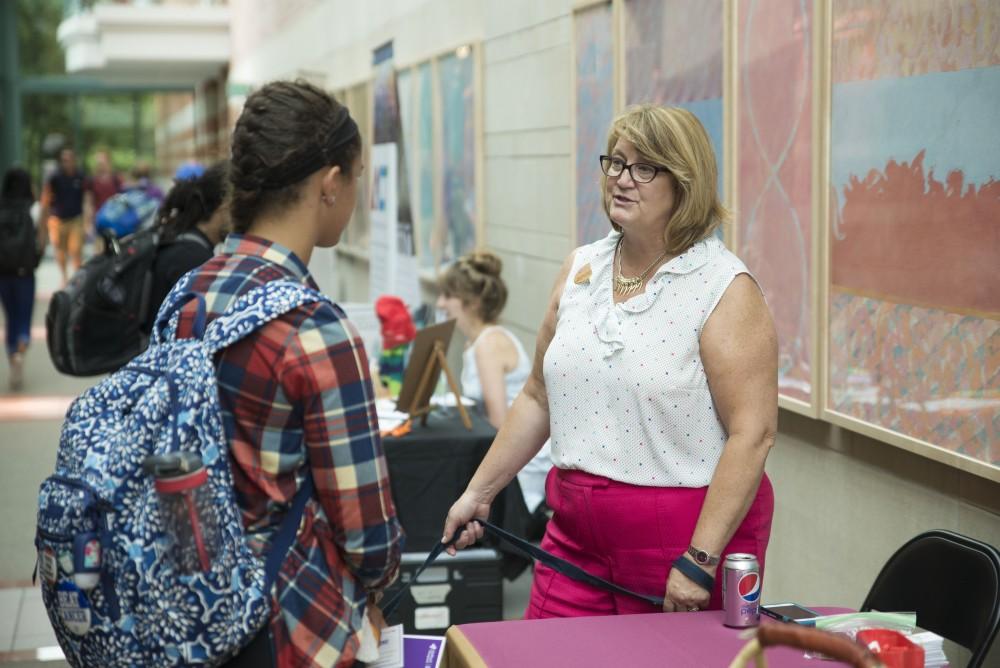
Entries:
{"x":172,"y":464}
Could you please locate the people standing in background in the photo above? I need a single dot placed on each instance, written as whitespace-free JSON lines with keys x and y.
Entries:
{"x":65,"y":196}
{"x":495,"y":365}
{"x":142,"y":179}
{"x":105,"y":183}
{"x":192,"y":220}
{"x":102,"y":186}
{"x":22,"y":242}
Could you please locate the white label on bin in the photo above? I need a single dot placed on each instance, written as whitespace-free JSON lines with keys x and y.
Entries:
{"x":434,"y":617}
{"x":434,"y":574}
{"x":425,"y":594}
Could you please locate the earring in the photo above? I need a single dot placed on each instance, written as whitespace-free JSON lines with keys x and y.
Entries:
{"x":328,"y":199}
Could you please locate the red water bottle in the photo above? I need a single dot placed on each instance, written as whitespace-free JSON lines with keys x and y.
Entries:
{"x":186,"y":509}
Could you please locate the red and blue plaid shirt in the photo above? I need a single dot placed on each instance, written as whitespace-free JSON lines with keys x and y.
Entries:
{"x":296,"y":397}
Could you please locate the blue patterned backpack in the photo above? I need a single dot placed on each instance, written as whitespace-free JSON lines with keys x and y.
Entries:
{"x":115,"y":575}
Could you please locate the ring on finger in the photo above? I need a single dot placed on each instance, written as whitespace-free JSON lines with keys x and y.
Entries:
{"x":693,"y":608}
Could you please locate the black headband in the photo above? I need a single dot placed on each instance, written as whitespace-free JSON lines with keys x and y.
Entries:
{"x":320,"y":155}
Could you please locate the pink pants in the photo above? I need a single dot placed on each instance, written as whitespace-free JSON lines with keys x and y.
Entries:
{"x":629,"y":535}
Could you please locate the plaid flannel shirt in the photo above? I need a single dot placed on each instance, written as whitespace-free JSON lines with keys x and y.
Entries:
{"x":296,"y":397}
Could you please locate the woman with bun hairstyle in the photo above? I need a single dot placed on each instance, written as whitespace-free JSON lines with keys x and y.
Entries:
{"x":296,"y":394}
{"x":495,"y":365}
{"x":192,"y":221}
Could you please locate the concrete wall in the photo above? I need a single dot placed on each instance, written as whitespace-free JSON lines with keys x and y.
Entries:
{"x":844,"y":502}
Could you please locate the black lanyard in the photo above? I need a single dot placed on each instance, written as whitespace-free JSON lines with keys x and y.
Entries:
{"x":555,"y":563}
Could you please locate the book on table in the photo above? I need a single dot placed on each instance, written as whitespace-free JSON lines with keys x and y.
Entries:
{"x":397,"y":650}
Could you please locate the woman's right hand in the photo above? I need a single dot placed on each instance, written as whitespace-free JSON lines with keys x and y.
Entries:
{"x":469,"y":506}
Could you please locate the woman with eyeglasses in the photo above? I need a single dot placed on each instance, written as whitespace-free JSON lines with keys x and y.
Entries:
{"x":655,"y":374}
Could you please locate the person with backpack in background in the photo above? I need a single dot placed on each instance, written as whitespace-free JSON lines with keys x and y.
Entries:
{"x":134,"y":208}
{"x":104,"y":317}
{"x":296,"y":395}
{"x":22,"y":243}
{"x":142,"y":179}
{"x":65,"y":196}
{"x":105,"y":182}
{"x":192,"y":220}
{"x":102,"y":186}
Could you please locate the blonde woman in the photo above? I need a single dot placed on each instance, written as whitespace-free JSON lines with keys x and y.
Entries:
{"x":495,"y":365}
{"x":656,"y":375}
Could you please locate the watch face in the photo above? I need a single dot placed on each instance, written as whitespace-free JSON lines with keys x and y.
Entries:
{"x":701,"y":557}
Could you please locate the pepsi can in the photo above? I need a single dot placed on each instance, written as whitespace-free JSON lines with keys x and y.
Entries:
{"x":741,"y":590}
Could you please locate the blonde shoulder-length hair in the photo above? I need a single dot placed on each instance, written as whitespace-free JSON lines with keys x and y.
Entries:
{"x":674,"y":138}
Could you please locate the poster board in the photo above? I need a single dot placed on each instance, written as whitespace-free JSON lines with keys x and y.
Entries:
{"x":773,"y":227}
{"x":913,"y":290}
{"x":427,"y":361}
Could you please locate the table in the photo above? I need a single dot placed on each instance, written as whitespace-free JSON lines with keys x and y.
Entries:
{"x":430,"y":467}
{"x":672,"y":639}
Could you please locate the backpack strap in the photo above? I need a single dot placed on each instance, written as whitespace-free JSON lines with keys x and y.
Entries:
{"x":287,"y":531}
{"x":255,"y":309}
{"x":251,"y":312}
{"x":192,"y":236}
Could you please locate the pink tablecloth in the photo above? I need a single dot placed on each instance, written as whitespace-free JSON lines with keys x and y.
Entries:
{"x":675,"y":639}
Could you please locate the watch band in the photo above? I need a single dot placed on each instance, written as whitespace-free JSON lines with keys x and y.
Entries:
{"x":702,"y":557}
{"x":694,"y":573}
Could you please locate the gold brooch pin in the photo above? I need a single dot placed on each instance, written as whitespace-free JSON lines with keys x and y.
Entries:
{"x":582,"y":276}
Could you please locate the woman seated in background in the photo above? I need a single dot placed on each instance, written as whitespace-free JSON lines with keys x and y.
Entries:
{"x":192,"y":220}
{"x":495,"y":365}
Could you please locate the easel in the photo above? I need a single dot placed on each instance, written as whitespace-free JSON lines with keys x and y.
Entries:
{"x":436,"y":361}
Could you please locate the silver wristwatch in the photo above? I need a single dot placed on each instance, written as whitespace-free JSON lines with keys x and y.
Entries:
{"x":702,"y":557}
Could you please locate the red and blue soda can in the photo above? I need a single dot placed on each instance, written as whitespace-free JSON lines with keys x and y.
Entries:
{"x":741,"y":590}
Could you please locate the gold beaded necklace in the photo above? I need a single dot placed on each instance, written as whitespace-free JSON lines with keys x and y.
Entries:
{"x":626,"y":286}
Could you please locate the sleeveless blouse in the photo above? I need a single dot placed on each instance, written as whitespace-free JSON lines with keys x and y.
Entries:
{"x":472,"y":387}
{"x":628,"y":395}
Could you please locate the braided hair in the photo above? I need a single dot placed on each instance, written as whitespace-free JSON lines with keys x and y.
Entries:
{"x":192,"y":201}
{"x":476,"y":276}
{"x":286,"y":132}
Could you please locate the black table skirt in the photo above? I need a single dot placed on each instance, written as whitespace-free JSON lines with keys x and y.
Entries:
{"x":430,"y":468}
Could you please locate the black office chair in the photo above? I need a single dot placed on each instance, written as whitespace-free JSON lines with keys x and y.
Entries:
{"x":951,"y":581}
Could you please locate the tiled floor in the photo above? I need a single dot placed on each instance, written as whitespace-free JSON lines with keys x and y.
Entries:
{"x":29,"y":627}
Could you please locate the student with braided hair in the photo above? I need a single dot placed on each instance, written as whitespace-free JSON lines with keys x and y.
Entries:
{"x":296,"y":395}
{"x":192,"y":221}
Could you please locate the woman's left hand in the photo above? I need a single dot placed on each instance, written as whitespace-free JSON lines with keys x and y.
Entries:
{"x":683,"y":595}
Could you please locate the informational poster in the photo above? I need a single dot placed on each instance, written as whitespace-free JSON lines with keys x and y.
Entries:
{"x":384,"y":207}
{"x":393,"y":262}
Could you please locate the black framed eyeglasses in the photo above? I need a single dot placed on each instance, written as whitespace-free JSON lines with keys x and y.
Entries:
{"x":641,"y":172}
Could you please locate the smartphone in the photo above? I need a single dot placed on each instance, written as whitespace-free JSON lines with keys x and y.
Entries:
{"x":788,"y":612}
